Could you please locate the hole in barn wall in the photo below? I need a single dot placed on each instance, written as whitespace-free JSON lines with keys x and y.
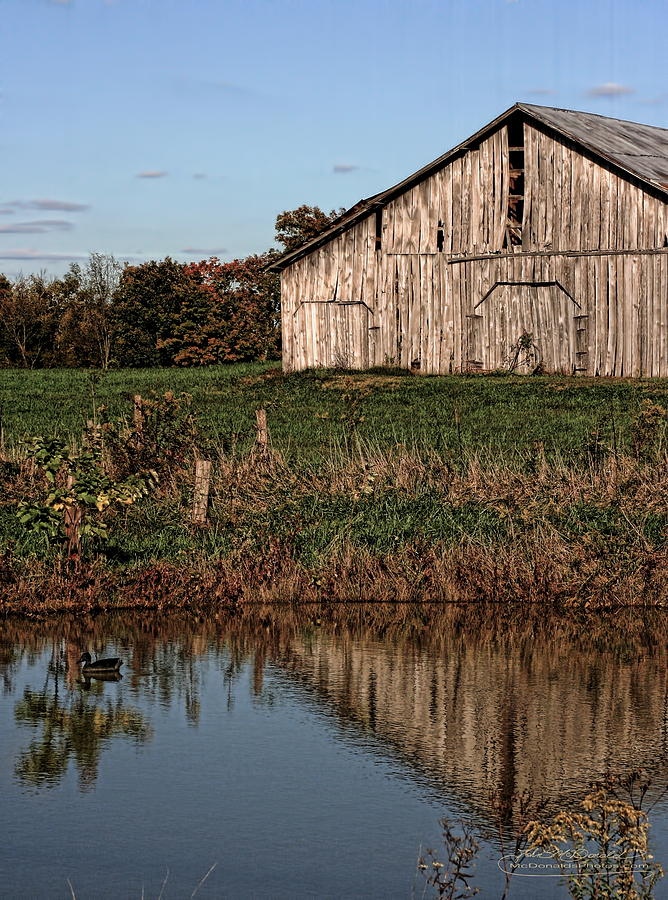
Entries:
{"x":439,"y":237}
{"x":379,"y":228}
{"x":515,"y":212}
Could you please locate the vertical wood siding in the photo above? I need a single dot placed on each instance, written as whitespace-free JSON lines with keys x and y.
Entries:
{"x":411,"y":304}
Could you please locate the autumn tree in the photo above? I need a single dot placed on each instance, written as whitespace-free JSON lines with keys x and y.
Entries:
{"x":296,"y":226}
{"x":244,"y":312}
{"x":86,"y":329}
{"x":156,"y":313}
{"x":102,"y":278}
{"x":28,"y":321}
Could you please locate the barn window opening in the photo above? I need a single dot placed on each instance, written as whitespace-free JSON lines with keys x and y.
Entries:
{"x":379,"y":228}
{"x":665,"y":240}
{"x":439,"y":237}
{"x":515,"y":212}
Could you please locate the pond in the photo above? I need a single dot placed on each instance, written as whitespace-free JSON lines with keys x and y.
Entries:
{"x":303,"y":752}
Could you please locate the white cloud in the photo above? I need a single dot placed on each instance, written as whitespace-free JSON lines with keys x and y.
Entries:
{"x":152,"y":173}
{"x":344,"y":168}
{"x":653,"y":101}
{"x":610,"y":89}
{"x":60,"y":205}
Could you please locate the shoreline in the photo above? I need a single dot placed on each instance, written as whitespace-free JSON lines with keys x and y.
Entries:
{"x":427,"y":576}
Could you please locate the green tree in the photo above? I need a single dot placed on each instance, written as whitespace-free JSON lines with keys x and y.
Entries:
{"x":296,"y":226}
{"x":148,"y":312}
{"x":86,"y":328}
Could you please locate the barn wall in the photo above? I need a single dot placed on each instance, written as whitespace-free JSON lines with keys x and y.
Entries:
{"x":328,"y":300}
{"x":409,"y":304}
{"x":467,"y":196}
{"x":574,"y":203}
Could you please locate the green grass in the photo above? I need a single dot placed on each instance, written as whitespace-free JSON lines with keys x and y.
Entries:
{"x":313,"y":415}
{"x":495,"y":462}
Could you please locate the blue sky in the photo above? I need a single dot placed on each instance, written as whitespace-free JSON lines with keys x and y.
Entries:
{"x":147,"y":128}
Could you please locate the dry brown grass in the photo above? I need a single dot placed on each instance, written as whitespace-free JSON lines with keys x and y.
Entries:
{"x":541,"y":571}
{"x":548,"y":551}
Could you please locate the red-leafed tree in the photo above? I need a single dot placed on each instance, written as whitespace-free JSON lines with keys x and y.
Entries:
{"x":243,"y":320}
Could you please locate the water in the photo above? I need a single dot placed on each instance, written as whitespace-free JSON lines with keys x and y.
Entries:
{"x":308,"y":758}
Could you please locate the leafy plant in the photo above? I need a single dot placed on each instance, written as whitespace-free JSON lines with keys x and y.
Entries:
{"x":523,"y":354}
{"x":77,"y":494}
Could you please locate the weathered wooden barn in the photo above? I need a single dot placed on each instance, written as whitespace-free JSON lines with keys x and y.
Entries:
{"x":546,"y":223}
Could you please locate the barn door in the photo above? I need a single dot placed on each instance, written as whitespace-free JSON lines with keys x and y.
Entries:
{"x":521,"y":326}
{"x":349,"y":330}
{"x":332,"y":334}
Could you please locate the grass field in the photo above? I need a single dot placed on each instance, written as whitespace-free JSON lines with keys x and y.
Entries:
{"x":380,"y":485}
{"x":313,"y":414}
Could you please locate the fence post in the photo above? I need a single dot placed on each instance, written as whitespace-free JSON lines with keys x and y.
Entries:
{"x":137,"y":413}
{"x":262,"y":437}
{"x":72,"y":523}
{"x":201,"y":494}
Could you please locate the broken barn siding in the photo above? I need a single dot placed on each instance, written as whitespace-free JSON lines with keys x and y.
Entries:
{"x":520,"y":230}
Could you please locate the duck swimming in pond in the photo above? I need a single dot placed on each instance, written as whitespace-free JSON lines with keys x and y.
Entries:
{"x":100,"y":666}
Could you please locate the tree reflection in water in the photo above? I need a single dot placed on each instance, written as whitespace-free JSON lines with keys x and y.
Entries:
{"x":493,"y":705}
{"x":74,"y":727}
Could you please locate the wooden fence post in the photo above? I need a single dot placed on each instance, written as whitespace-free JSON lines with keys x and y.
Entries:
{"x":262,"y":437}
{"x":72,"y":523}
{"x":201,"y":495}
{"x":137,"y":413}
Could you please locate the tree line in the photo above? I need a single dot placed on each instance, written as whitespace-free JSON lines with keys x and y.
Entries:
{"x":158,"y":313}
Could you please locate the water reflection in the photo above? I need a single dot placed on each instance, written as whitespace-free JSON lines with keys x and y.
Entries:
{"x":511,"y":719}
{"x":72,"y":725}
{"x":503,"y":711}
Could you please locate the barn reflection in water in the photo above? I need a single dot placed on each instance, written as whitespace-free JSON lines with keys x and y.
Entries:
{"x":477,"y":703}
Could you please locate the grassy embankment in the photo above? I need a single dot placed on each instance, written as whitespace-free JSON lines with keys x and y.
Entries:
{"x":378,"y":487}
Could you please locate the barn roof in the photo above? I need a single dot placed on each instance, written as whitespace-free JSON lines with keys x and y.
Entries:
{"x":638,"y":151}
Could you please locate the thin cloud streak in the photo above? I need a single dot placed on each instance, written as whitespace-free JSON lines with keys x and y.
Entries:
{"x":59,"y":205}
{"x":21,"y":253}
{"x":31,"y":254}
{"x":205,"y":251}
{"x":152,"y":174}
{"x":653,"y":101}
{"x":344,"y":168}
{"x":47,"y":205}
{"x":40,"y":226}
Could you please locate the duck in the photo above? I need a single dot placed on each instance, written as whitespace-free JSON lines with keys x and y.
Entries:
{"x":100,"y":666}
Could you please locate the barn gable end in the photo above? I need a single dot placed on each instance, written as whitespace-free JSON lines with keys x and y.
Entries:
{"x":547,"y":223}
